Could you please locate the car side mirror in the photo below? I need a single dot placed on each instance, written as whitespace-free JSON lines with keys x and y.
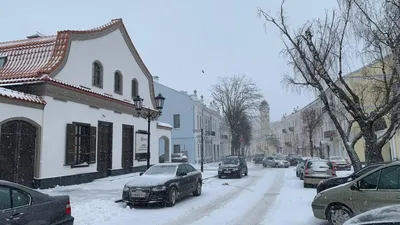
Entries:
{"x":219,"y":164}
{"x":183,"y":174}
{"x":354,"y":187}
{"x":140,"y":174}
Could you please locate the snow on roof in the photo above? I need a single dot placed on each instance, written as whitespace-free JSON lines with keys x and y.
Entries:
{"x":162,"y":124}
{"x":8,"y":93}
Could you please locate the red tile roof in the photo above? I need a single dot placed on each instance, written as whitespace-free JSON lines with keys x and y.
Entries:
{"x":37,"y":56}
{"x":4,"y":92}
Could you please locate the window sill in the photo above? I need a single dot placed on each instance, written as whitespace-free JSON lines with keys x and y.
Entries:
{"x":80,"y":165}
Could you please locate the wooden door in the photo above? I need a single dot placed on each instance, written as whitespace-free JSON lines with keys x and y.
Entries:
{"x":104,"y":148}
{"x":17,"y":152}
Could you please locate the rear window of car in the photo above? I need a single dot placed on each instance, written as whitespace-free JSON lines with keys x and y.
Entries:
{"x":319,"y":164}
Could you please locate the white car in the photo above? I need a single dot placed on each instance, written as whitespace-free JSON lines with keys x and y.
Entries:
{"x":179,"y":157}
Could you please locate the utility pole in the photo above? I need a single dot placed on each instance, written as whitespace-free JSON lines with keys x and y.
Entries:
{"x":202,"y":150}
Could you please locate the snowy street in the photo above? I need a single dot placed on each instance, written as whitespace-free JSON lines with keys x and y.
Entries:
{"x":265,"y":196}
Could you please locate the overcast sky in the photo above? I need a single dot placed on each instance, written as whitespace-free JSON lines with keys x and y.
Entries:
{"x":178,"y":38}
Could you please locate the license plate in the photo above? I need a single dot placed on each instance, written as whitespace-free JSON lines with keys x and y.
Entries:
{"x":227,"y":172}
{"x":139,"y":194}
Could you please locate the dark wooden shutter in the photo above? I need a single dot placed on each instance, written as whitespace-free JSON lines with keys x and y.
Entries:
{"x":70,"y":145}
{"x":92,"y":148}
{"x":127,"y":146}
{"x":124,"y":144}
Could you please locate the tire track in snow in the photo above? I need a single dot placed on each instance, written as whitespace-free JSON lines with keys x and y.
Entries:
{"x":256,"y":214}
{"x":204,"y":210}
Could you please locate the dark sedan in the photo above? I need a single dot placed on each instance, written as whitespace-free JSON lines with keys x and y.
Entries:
{"x":233,"y":166}
{"x":333,"y":182}
{"x":163,"y":183}
{"x":20,"y":205}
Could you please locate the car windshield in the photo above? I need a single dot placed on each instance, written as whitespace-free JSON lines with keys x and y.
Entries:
{"x":161,"y":170}
{"x":230,"y":161}
{"x":336,"y":158}
{"x":279,"y":158}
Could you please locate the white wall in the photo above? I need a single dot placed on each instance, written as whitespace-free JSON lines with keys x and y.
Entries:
{"x":112,"y":51}
{"x":161,"y":133}
{"x":57,"y":114}
{"x":13,"y":111}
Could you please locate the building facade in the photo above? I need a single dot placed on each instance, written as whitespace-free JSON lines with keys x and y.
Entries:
{"x":68,"y":114}
{"x":188,"y":114}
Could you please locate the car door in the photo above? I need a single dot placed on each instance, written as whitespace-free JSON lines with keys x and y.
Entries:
{"x":192,"y":176}
{"x":270,"y":161}
{"x":15,"y":207}
{"x":378,"y":189}
{"x":183,"y":180}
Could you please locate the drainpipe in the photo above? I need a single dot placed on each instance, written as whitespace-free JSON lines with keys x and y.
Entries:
{"x":393,"y":148}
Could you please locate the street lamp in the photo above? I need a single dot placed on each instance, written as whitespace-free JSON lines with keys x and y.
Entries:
{"x":149,"y":115}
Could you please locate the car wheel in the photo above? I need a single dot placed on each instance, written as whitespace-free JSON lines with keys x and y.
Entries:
{"x":172,"y":195}
{"x":338,"y":214}
{"x":276,"y":165}
{"x":197,"y":192}
{"x":305,"y":185}
{"x":301,"y":177}
{"x":219,"y":176}
{"x":297,"y":174}
{"x":239,"y":175}
{"x":264,"y":165}
{"x":247,"y":172}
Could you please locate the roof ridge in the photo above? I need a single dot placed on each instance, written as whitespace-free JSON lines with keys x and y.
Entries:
{"x":101,"y":27}
{"x":27,"y":41}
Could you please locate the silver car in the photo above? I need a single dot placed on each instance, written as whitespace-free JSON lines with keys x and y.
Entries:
{"x":317,"y":170}
{"x":275,"y":161}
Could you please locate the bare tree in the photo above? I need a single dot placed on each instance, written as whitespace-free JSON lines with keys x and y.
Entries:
{"x":238,"y":98}
{"x":318,"y":51}
{"x":273,"y":141}
{"x":311,"y":119}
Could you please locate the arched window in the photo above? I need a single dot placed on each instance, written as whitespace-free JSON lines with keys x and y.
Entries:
{"x":97,"y":74}
{"x":135,"y":88}
{"x":118,"y":82}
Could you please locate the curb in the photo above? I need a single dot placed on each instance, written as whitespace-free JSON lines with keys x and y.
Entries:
{"x":210,"y":177}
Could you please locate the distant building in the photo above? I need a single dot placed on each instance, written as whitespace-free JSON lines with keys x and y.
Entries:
{"x":188,"y":114}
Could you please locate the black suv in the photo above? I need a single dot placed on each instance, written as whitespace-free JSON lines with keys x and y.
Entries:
{"x":233,"y":166}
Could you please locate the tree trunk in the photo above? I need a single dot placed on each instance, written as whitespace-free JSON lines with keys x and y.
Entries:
{"x":373,"y":154}
{"x":311,"y":144}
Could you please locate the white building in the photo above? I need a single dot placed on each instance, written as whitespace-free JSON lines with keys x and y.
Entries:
{"x":216,"y":136}
{"x":67,"y":107}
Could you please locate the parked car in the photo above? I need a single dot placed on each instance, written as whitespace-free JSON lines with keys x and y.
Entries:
{"x":233,"y":166}
{"x":294,"y":159}
{"x":163,"y":183}
{"x":275,"y":161}
{"x":161,"y":159}
{"x":316,"y":170}
{"x":301,"y":164}
{"x":333,"y":182}
{"x":339,"y":163}
{"x":22,"y":205}
{"x":381,"y":216}
{"x":179,"y":157}
{"x":374,"y":189}
{"x":258,"y":158}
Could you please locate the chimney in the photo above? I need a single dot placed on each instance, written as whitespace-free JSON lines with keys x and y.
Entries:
{"x":156,"y":78}
{"x":37,"y":35}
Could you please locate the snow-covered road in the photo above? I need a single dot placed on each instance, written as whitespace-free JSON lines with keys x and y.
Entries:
{"x":266,"y":196}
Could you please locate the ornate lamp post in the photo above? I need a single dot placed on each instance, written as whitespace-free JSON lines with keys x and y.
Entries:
{"x":149,"y":115}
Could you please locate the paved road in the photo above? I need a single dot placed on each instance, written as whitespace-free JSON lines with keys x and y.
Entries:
{"x":246,"y":200}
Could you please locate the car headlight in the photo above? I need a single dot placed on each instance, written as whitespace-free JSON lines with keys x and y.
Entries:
{"x":126,"y":188}
{"x":235,"y":169}
{"x":159,"y":188}
{"x":280,"y":162}
{"x":317,"y":196}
